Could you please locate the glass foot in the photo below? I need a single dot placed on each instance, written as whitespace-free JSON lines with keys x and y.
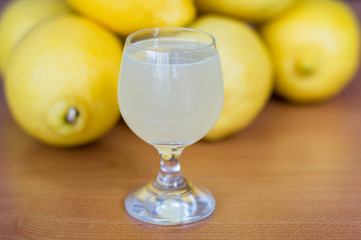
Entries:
{"x":153,"y":205}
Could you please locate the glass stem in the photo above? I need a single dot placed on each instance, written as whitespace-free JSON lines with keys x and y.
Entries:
{"x":170,"y":177}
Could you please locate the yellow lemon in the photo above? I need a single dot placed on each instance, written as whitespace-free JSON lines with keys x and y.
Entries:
{"x":127,"y":16}
{"x":19,"y":17}
{"x":250,"y":10}
{"x":62,"y":81}
{"x":247,"y":72}
{"x":315,"y":47}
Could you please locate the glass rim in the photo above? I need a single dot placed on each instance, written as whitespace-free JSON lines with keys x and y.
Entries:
{"x":213,"y":40}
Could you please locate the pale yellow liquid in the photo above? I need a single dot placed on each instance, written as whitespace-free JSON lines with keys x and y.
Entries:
{"x":170,"y":97}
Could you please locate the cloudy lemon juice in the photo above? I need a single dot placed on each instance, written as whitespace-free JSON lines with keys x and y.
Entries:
{"x":172,"y":94}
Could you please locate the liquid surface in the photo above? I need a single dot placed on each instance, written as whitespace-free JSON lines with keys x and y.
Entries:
{"x":170,"y":90}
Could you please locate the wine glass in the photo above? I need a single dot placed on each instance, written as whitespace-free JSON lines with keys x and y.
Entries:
{"x":170,"y":95}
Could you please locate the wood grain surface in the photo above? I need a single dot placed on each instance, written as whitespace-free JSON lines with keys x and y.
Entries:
{"x":295,"y":173}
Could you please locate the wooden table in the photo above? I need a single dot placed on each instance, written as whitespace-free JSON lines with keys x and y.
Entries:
{"x":295,"y":173}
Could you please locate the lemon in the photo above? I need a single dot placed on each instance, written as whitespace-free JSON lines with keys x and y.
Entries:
{"x":127,"y":16}
{"x":62,"y":80}
{"x":247,"y":73}
{"x":19,"y":17}
{"x":315,"y":47}
{"x":250,"y":10}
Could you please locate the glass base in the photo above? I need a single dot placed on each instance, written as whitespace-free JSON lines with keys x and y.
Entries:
{"x":163,"y":207}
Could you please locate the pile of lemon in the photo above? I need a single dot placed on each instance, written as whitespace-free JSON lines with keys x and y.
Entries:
{"x":60,"y":59}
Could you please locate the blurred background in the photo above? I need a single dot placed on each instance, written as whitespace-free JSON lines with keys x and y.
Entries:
{"x":60,"y":59}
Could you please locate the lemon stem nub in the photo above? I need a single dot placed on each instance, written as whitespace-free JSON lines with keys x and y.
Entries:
{"x":72,"y":115}
{"x":307,"y":63}
{"x":305,"y":68}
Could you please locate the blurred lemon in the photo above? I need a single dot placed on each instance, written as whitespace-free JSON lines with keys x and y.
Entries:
{"x":315,"y":47}
{"x":19,"y":17}
{"x":127,"y":16}
{"x":247,"y":72}
{"x":250,"y":10}
{"x":62,"y":80}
